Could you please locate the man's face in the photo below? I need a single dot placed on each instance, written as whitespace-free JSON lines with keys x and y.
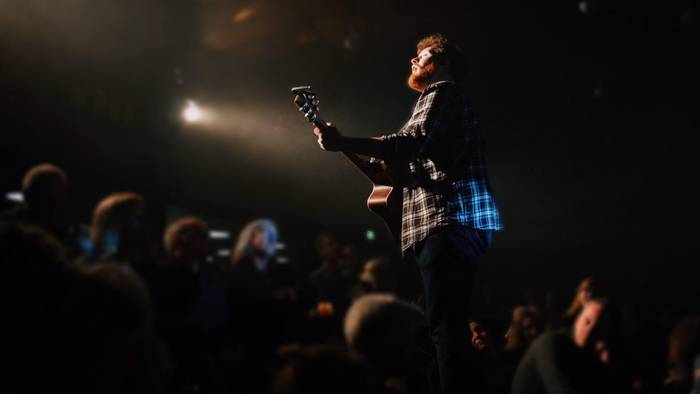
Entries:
{"x":329,"y":248}
{"x":585,"y":326}
{"x":422,"y":70}
{"x":479,"y":337}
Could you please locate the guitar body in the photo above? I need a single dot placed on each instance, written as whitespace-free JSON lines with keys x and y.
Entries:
{"x":387,"y":196}
{"x":387,"y":202}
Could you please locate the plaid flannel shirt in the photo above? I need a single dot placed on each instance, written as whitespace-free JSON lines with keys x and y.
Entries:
{"x":439,"y":154}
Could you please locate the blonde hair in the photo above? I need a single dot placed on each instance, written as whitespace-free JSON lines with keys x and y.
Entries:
{"x":113,"y":207}
{"x":244,"y":247}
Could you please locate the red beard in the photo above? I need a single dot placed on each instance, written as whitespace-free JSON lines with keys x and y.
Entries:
{"x":419,"y":81}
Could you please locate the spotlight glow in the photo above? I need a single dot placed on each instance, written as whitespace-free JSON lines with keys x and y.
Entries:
{"x":192,"y":113}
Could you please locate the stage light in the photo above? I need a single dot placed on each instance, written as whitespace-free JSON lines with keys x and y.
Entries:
{"x":223,"y":253}
{"x":219,"y":234}
{"x":15,"y":196}
{"x":192,"y":113}
{"x":280,"y":246}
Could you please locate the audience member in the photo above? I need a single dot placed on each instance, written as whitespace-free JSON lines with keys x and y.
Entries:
{"x":69,"y":328}
{"x":526,"y":325}
{"x":322,"y":369}
{"x":683,"y":350}
{"x":393,"y":336}
{"x":186,"y":241}
{"x":489,"y":374}
{"x":138,"y":361}
{"x":378,"y":276}
{"x":45,"y":189}
{"x":576,"y":360}
{"x":119,"y":231}
{"x":191,"y":296}
{"x":328,"y":280}
{"x":256,"y":319}
{"x":587,"y":289}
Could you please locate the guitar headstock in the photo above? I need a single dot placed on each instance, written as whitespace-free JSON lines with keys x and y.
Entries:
{"x":307,"y":102}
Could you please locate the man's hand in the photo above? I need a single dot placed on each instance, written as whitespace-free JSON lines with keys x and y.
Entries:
{"x":329,"y":138}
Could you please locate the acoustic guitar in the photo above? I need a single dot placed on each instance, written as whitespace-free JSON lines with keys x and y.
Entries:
{"x":387,"y":195}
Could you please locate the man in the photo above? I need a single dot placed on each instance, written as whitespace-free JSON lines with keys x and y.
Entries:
{"x":45,"y":188}
{"x":191,"y":301}
{"x":118,"y":231}
{"x":392,"y":335}
{"x":449,"y":213}
{"x":577,"y":360}
{"x":328,"y":280}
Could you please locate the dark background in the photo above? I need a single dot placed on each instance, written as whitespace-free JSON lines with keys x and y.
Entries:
{"x":589,"y":110}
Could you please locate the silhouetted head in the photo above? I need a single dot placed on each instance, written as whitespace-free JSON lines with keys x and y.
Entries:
{"x":118,"y":225}
{"x":384,"y":329}
{"x":45,"y":187}
{"x":684,"y":347}
{"x":378,"y":276}
{"x":328,"y":247}
{"x":526,"y":325}
{"x":587,"y":289}
{"x":257,"y":240}
{"x":187,"y":239}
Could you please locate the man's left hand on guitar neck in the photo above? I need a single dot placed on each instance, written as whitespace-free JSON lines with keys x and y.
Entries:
{"x":330,"y":139}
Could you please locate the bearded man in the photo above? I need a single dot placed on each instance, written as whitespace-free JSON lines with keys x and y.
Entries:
{"x":449,"y":213}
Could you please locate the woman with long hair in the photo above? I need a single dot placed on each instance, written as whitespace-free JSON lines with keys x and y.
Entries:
{"x":256,"y":244}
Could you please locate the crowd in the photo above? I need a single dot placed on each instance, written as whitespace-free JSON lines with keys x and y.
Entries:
{"x":124,"y":313}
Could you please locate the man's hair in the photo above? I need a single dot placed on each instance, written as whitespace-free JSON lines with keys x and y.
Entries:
{"x":40,"y":180}
{"x":445,"y":52}
{"x":383,"y":328}
{"x":684,"y":341}
{"x":516,"y":336}
{"x":114,"y":208}
{"x":181,"y":231}
{"x":590,"y":284}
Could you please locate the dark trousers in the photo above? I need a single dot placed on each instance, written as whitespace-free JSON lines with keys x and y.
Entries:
{"x":448,"y":260}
